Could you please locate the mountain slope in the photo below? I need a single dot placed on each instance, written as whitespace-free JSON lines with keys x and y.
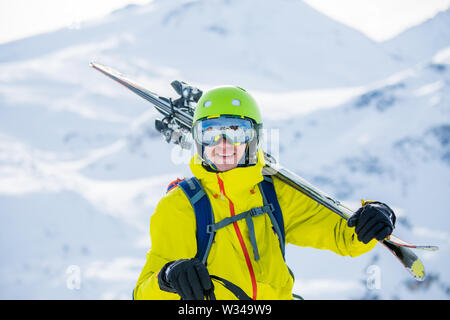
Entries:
{"x":421,"y":42}
{"x":271,"y":45}
{"x":390,"y":144}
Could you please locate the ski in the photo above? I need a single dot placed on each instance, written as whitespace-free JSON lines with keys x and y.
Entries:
{"x":176,"y":126}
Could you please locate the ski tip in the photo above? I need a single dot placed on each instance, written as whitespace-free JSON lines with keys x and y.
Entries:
{"x":96,"y":65}
{"x":417,"y":270}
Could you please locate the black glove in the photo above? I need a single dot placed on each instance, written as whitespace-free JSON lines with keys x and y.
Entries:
{"x":188,"y":278}
{"x":373,"y":220}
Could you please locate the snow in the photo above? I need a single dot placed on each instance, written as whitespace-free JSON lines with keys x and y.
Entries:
{"x":82,"y":168}
{"x":433,"y":34}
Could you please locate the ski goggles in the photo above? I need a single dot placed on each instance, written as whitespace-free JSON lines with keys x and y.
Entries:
{"x":210,"y":131}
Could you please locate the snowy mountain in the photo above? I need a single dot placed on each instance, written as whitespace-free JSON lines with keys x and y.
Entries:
{"x":172,"y":38}
{"x":419,"y":43}
{"x":389,"y":143}
{"x":82,"y":168}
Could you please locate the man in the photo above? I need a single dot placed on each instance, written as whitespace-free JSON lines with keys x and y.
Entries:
{"x":228,"y":164}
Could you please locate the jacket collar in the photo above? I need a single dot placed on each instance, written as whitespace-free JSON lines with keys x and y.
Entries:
{"x":237,"y":182}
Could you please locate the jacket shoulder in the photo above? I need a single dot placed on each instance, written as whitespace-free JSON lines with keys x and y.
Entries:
{"x":175,"y":198}
{"x":282,"y":189}
{"x":173,"y":215}
{"x":174,"y":207}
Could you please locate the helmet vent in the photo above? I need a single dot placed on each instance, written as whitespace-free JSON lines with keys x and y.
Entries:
{"x":207,"y":103}
{"x":236,"y":102}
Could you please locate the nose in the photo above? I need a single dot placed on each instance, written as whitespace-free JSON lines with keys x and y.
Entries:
{"x":225,"y":145}
{"x":223,"y":141}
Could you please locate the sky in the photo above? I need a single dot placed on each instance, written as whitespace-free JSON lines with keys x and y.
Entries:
{"x":23,"y":18}
{"x":378,"y":19}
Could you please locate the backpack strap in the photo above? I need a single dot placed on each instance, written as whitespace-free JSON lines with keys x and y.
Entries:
{"x":173,"y":184}
{"x":206,"y":227}
{"x":276,"y":216}
{"x":247,"y":215}
{"x":203,"y":214}
{"x":271,"y":207}
{"x":237,"y":291}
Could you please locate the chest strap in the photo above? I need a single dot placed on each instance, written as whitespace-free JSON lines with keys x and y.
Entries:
{"x":206,"y":227}
{"x":247,"y":215}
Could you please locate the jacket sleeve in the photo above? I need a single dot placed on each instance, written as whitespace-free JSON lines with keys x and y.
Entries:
{"x":172,"y":234}
{"x":309,"y":224}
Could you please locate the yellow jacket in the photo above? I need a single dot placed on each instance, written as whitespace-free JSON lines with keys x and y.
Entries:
{"x":306,"y":223}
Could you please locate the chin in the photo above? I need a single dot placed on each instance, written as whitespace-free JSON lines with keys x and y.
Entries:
{"x":226,"y":167}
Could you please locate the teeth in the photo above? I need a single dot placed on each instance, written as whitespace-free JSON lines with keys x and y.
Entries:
{"x":225,"y":155}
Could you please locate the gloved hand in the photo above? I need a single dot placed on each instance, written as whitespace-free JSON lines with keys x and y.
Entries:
{"x":188,"y":278}
{"x":373,"y":220}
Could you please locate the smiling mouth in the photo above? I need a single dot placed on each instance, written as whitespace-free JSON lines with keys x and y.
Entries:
{"x":225,"y":155}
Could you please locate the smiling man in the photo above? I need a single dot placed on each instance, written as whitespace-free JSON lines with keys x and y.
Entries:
{"x":240,"y":252}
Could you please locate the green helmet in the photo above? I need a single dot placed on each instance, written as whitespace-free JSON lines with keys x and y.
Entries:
{"x":230,"y":101}
{"x":227,"y":100}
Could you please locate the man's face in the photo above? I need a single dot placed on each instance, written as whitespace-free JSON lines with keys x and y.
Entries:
{"x":224,"y":155}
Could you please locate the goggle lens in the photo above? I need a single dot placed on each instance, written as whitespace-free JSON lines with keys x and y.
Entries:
{"x":209,"y":132}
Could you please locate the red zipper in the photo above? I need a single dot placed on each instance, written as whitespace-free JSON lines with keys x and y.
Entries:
{"x":240,"y":238}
